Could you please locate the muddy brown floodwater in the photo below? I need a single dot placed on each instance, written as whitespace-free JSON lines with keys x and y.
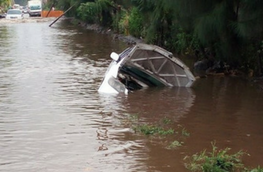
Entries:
{"x":53,"y":119}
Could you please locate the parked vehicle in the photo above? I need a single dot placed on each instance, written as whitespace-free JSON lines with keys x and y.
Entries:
{"x":34,"y":7}
{"x":24,"y":9}
{"x":143,"y":66}
{"x":14,"y":14}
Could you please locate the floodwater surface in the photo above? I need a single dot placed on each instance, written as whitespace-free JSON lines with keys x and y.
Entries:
{"x":53,"y":119}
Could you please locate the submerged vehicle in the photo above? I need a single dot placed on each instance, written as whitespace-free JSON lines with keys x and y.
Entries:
{"x":14,"y":14}
{"x":142,"y":66}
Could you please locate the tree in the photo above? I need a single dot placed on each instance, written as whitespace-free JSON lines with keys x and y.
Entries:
{"x":5,"y":4}
{"x":228,"y":28}
{"x":99,"y":11}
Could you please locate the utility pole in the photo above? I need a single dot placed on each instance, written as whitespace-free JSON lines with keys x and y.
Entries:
{"x":61,"y":15}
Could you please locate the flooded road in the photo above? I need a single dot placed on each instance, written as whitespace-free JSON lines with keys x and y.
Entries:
{"x":53,"y":119}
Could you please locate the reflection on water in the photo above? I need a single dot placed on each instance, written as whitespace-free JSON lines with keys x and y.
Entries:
{"x":228,"y":111}
{"x":50,"y":115}
{"x":158,"y":103}
{"x":53,"y":119}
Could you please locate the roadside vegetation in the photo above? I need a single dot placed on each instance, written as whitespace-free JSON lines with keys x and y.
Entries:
{"x":4,"y":5}
{"x":229,"y":32}
{"x":226,"y":33}
{"x":218,"y":160}
{"x":165,"y":131}
{"x":173,"y":136}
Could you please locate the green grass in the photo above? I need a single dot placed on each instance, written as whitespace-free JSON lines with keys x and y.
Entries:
{"x":258,"y":169}
{"x":164,"y":129}
{"x":166,"y":121}
{"x":175,"y":144}
{"x":147,"y":129}
{"x":216,"y":161}
{"x":185,"y":132}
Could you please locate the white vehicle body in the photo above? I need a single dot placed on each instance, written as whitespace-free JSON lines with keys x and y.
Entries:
{"x":14,"y":14}
{"x":110,"y":83}
{"x":143,"y":66}
{"x":34,"y":7}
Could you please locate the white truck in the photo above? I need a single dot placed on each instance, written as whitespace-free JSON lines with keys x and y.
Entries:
{"x":34,"y":7}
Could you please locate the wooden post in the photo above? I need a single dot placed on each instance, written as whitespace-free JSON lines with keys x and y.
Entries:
{"x":61,"y":16}
{"x":50,"y":8}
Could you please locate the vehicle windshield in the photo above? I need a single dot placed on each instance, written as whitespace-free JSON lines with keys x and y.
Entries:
{"x":124,"y":53}
{"x":14,"y":12}
{"x":35,"y":7}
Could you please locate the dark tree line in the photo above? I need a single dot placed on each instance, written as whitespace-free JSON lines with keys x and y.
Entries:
{"x":224,"y":30}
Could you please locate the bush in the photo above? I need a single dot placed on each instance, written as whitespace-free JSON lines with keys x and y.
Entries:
{"x":135,"y":23}
{"x":123,"y":25}
{"x":216,"y":161}
{"x":88,"y":12}
{"x":98,"y":11}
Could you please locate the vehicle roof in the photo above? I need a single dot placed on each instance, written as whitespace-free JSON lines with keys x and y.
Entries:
{"x":158,"y":63}
{"x":13,"y":11}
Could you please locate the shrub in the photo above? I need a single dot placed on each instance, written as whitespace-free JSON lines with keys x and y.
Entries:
{"x":258,"y":169}
{"x":123,"y":24}
{"x":216,"y":161}
{"x":135,"y":23}
{"x":88,"y":12}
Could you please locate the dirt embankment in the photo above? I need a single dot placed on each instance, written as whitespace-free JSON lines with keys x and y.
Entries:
{"x":125,"y":38}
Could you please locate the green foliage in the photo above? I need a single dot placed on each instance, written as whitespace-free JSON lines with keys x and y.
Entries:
{"x":98,"y":11}
{"x":227,"y":28}
{"x":88,"y":12}
{"x":175,"y":144}
{"x":216,"y":161}
{"x":135,"y":23}
{"x":182,"y":42}
{"x":129,"y":22}
{"x":152,"y":130}
{"x":166,"y":121}
{"x":258,"y":169}
{"x":185,"y":132}
{"x":123,"y":25}
{"x":116,"y":20}
{"x":221,"y":26}
{"x":4,"y":5}
{"x":164,"y":129}
{"x":5,"y":2}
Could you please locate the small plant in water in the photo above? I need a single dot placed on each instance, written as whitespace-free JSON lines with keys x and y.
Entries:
{"x":151,"y":130}
{"x":132,"y":119}
{"x":159,"y":130}
{"x":175,"y":144}
{"x":216,"y":161}
{"x":258,"y":169}
{"x":185,"y":132}
{"x":166,"y":121}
